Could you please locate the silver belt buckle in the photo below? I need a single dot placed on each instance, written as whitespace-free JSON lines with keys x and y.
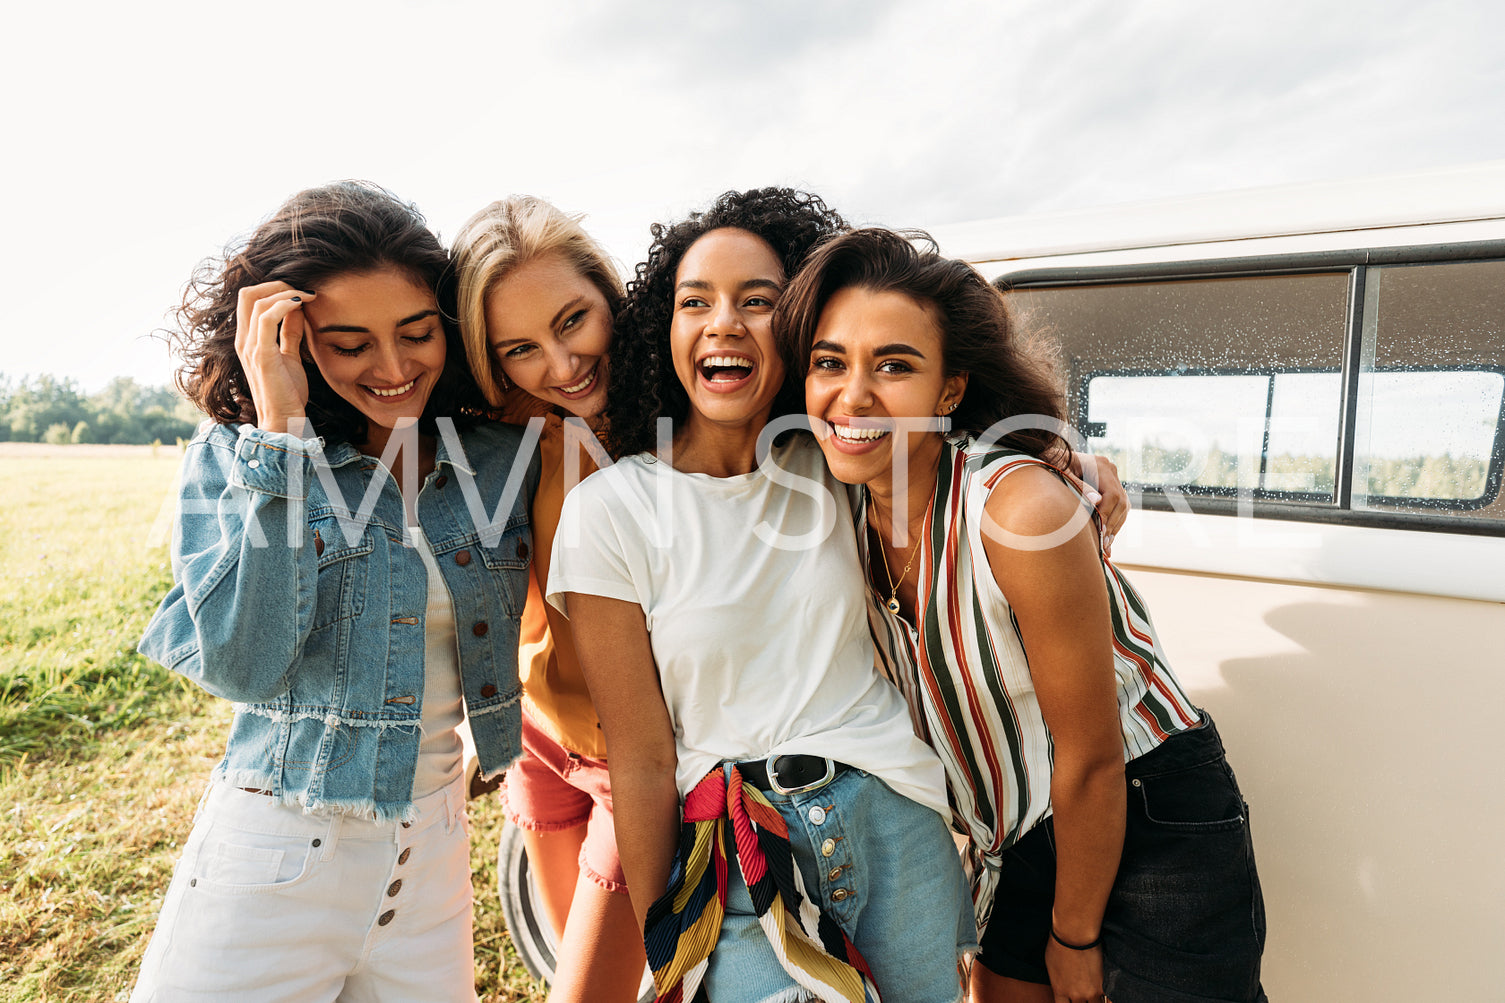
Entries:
{"x":773,"y":778}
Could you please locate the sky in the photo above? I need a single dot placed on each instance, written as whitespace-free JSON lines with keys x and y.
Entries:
{"x":141,"y":138}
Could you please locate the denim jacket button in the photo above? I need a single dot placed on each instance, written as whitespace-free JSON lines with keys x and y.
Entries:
{"x":462,"y":558}
{"x":318,"y":544}
{"x":480,"y":629}
{"x":253,"y":464}
{"x":522,"y":550}
{"x":440,"y":481}
{"x":488,"y":690}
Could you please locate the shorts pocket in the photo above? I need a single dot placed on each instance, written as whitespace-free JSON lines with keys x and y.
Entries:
{"x":1199,"y":799}
{"x":249,"y":862}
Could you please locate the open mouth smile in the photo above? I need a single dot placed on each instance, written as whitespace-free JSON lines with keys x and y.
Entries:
{"x":858,"y":438}
{"x":388,"y":394}
{"x":725,"y":373}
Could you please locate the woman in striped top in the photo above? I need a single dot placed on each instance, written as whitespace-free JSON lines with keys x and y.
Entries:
{"x":1102,"y":815}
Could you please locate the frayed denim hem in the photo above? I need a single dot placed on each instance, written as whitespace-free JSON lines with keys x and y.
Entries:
{"x":601,"y":881}
{"x":367,"y":808}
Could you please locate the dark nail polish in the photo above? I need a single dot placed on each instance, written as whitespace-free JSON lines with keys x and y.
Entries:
{"x":297,"y":299}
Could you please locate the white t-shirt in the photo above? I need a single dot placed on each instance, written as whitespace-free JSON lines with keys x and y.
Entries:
{"x":761,"y":642}
{"x":440,"y":751}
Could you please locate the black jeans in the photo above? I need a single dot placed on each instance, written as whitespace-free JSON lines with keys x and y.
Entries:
{"x":1185,"y":919}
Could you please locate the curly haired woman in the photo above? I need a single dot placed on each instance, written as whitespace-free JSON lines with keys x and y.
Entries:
{"x":772,"y":799}
{"x":334,"y":580}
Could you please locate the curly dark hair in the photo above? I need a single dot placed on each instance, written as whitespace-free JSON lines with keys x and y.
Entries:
{"x":642,"y":385}
{"x":977,"y":337}
{"x":348,"y":227}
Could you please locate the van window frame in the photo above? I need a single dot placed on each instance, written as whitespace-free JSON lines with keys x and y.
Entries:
{"x":1271,"y":504}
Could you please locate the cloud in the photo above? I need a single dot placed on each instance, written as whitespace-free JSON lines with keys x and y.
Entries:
{"x":144,"y":138}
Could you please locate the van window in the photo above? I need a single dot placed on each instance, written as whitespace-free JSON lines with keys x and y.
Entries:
{"x":1274,"y":434}
{"x":1431,"y":388}
{"x":1206,"y":385}
{"x":1225,"y":387}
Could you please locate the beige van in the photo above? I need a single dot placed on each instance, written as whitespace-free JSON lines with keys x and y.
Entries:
{"x":1304,"y":389}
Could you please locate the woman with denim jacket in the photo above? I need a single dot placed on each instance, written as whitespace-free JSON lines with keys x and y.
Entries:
{"x":1103,"y":817}
{"x":350,"y":562}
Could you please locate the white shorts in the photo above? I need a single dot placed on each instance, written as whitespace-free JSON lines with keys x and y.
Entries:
{"x":270,"y":904}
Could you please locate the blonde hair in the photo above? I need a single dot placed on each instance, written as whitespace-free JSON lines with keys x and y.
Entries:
{"x":503,"y":236}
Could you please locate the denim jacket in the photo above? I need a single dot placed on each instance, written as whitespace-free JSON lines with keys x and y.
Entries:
{"x":296,"y":596}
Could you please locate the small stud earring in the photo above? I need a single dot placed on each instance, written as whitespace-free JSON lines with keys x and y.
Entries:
{"x":952,"y":406}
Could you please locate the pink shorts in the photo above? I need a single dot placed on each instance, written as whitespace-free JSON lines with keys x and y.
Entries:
{"x":551,"y":789}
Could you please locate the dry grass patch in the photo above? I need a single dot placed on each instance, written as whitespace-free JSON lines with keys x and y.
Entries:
{"x":103,"y":754}
{"x":86,"y":849}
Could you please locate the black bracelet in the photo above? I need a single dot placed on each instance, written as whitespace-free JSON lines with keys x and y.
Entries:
{"x":1076,"y":947}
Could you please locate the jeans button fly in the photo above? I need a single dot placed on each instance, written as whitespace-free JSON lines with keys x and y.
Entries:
{"x":828,"y":847}
{"x":817,"y":815}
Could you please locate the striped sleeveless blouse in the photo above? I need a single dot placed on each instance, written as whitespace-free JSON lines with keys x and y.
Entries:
{"x":963,"y":669}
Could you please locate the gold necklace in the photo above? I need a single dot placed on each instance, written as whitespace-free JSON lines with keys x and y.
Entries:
{"x":893,"y":595}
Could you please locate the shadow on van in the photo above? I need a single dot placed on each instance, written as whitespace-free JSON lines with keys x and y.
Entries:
{"x":1365,"y":731}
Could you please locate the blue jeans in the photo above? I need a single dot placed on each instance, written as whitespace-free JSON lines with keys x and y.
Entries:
{"x":883,"y":867}
{"x":1185,"y":920}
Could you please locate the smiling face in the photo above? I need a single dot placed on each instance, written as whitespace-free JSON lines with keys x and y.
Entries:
{"x":549,"y":328}
{"x":721,"y":334}
{"x":876,"y":356}
{"x":378,"y":343}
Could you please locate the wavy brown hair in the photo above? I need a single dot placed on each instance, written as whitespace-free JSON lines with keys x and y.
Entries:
{"x":348,"y":227}
{"x":1003,"y":378}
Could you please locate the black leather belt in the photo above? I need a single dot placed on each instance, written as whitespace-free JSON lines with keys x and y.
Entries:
{"x":790,"y":774}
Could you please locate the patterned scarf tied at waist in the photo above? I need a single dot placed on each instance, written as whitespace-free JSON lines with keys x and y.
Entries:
{"x":683,"y":925}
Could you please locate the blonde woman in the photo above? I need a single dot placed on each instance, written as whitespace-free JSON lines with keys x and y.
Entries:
{"x":537,"y":298}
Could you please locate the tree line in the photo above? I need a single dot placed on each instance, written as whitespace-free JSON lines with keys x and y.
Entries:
{"x":49,"y":409}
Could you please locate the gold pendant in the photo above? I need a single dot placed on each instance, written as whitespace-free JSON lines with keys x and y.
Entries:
{"x":893,"y":605}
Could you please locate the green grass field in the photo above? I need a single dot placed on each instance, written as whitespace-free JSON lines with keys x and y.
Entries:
{"x":103,"y":754}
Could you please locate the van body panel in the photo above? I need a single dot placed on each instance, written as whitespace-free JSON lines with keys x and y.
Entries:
{"x":1308,"y":553}
{"x":1305,"y":216}
{"x":1364,"y":727}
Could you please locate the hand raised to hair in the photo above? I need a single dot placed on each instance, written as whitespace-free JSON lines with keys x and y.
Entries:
{"x":269,"y":330}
